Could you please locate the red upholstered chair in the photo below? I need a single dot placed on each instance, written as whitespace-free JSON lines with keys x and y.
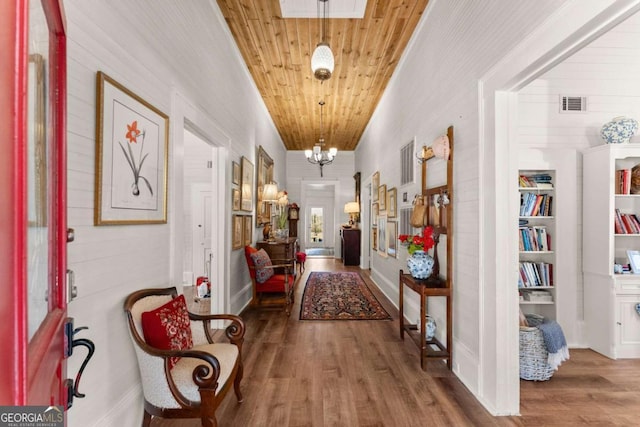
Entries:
{"x":185,"y":374}
{"x":273,"y":280}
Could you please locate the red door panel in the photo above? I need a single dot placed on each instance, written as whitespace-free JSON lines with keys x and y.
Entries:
{"x":35,"y":359}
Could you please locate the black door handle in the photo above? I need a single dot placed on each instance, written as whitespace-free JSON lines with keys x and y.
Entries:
{"x":72,"y":386}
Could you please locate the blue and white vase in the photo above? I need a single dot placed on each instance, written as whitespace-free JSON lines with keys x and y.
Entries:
{"x":619,"y":130}
{"x":430,"y":328}
{"x":420,"y":265}
{"x":638,"y":308}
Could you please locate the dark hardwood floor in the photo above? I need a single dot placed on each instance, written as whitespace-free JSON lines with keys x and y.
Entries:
{"x":359,"y":373}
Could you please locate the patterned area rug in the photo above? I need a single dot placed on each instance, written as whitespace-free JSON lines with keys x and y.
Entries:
{"x":339,"y":296}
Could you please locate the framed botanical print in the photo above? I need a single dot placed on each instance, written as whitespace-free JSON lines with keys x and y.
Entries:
{"x":382,"y":235}
{"x":246,"y":189}
{"x":247,"y":233}
{"x":382,"y":197}
{"x":374,"y":214}
{"x":374,"y":238}
{"x":392,"y":203}
{"x":235,"y":198}
{"x":375,"y":183}
{"x":235,"y":173}
{"x":132,"y":152}
{"x":236,"y":232}
{"x":392,"y":238}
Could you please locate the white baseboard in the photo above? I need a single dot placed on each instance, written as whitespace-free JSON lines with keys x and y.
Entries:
{"x":126,"y":412}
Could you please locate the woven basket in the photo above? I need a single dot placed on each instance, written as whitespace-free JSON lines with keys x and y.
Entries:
{"x":533,"y":356}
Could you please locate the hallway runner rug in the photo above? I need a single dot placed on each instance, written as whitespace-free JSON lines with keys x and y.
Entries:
{"x":339,"y":296}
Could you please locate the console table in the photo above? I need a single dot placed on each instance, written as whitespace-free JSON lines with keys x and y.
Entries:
{"x":431,"y":287}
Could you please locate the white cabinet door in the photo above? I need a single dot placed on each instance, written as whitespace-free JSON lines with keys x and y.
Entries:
{"x":628,"y":327}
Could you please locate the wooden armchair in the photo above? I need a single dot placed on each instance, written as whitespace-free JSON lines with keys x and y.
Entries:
{"x":188,"y":382}
{"x":273,"y":284}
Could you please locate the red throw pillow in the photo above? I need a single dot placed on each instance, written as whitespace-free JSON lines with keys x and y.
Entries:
{"x":168,"y":327}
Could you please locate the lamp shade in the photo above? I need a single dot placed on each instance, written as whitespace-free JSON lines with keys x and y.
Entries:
{"x":322,"y":62}
{"x":352,"y":207}
{"x":270,"y":193}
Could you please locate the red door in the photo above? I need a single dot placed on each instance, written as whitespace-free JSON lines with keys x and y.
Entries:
{"x":33,"y":303}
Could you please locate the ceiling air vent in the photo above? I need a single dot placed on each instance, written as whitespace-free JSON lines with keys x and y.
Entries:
{"x":573,"y":104}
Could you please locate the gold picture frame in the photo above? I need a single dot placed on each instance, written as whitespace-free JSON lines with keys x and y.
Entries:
{"x":132,"y":152}
{"x":375,"y":183}
{"x":382,"y":236}
{"x":235,"y":173}
{"x":375,"y":211}
{"x":236,"y":232}
{"x":235,"y":199}
{"x":392,"y":239}
{"x":374,"y":239}
{"x":246,"y":188}
{"x":382,"y":197}
{"x":247,"y":230}
{"x":265,"y":176}
{"x":392,"y":202}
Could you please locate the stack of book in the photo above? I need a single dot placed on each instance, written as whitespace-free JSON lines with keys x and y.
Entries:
{"x":532,"y":204}
{"x":534,"y":239}
{"x":534,"y":274}
{"x":626,"y":223}
{"x":541,"y":180}
{"x":623,"y":181}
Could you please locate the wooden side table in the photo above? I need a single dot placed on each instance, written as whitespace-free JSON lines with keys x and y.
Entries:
{"x":432,"y":287}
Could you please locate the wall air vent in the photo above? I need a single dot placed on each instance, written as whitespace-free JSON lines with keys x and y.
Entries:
{"x":573,"y":104}
{"x":407,"y":162}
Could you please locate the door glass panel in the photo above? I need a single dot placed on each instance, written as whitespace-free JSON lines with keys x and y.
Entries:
{"x":37,"y":169}
{"x":317,"y":227}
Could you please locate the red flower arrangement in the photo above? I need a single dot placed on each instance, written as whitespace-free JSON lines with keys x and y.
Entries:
{"x":418,"y":242}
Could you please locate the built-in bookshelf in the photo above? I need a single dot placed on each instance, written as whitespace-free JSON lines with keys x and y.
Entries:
{"x":611,"y":236}
{"x":536,"y":234}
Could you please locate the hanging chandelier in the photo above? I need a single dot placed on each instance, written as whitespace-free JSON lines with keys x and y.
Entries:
{"x":318,"y":156}
{"x":322,"y":59}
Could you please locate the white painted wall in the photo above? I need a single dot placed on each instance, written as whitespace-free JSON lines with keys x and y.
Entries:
{"x":159,"y":53}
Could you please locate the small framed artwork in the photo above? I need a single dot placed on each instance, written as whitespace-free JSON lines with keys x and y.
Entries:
{"x":374,"y":239}
{"x":374,"y":214}
{"x":235,"y":197}
{"x":392,"y":203}
{"x":236,"y":232}
{"x":392,"y":238}
{"x":382,"y":236}
{"x":246,"y":192}
{"x":634,"y":261}
{"x":235,"y":173}
{"x":382,"y":197}
{"x":132,"y":152}
{"x":375,"y":183}
{"x":247,"y":233}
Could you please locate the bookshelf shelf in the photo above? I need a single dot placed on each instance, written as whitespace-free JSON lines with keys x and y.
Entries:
{"x":612,"y":325}
{"x":537,"y":232}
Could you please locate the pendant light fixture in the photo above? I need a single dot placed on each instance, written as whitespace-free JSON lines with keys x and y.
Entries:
{"x":322,"y":62}
{"x":318,"y":156}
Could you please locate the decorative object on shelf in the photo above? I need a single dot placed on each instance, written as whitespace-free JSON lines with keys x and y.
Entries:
{"x":322,"y":62}
{"x":619,"y":130}
{"x":638,"y":308}
{"x":430,"y":328}
{"x":317,"y":155}
{"x":420,"y":265}
{"x":419,"y":262}
{"x":266,"y":231}
{"x":439,"y":148}
{"x":352,"y":208}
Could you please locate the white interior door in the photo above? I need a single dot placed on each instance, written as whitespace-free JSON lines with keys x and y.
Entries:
{"x":201,"y":202}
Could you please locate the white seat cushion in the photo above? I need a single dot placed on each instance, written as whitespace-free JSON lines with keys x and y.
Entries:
{"x":182,"y":372}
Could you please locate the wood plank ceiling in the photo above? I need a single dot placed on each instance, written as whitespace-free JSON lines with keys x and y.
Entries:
{"x":278,"y":52}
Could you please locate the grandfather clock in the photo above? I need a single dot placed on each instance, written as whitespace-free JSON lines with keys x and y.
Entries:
{"x":293,"y":221}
